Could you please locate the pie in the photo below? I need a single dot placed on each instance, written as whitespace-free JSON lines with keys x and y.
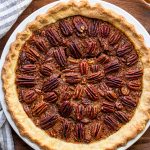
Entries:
{"x":78,"y":78}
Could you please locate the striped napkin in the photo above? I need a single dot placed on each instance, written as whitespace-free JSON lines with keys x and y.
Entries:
{"x":10,"y":10}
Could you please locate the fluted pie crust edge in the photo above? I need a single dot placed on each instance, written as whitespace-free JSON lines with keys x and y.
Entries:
{"x":25,"y":125}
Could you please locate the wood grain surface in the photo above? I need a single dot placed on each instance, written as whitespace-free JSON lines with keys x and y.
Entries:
{"x":137,"y":8}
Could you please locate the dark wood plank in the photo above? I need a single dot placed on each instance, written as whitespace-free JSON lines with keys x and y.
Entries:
{"x":137,"y":8}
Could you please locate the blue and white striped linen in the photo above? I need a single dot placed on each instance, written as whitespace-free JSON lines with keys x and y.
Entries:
{"x":10,"y":10}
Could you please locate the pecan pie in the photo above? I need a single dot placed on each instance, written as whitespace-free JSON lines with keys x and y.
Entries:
{"x":78,"y":78}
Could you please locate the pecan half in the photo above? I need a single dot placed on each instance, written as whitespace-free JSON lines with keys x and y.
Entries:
{"x":50,"y":97}
{"x":79,"y":112}
{"x":121,"y":116}
{"x":104,"y":30}
{"x":28,"y":96}
{"x":134,"y":85}
{"x":60,"y":56}
{"x":134,"y":74}
{"x":96,"y":130}
{"x":111,"y":122}
{"x":114,"y":38}
{"x":80,"y":24}
{"x":38,"y":109}
{"x":65,"y":27}
{"x":39,"y":44}
{"x":110,"y":95}
{"x":78,"y":92}
{"x":72,"y":78}
{"x":92,"y":49}
{"x":29,"y":68}
{"x":66,"y":129}
{"x":53,"y":37}
{"x":46,"y":69}
{"x":25,"y":80}
{"x":108,"y":107}
{"x":132,"y":59}
{"x":113,"y":81}
{"x":50,"y":84}
{"x":103,"y":59}
{"x":83,"y":67}
{"x":128,"y":101}
{"x":75,"y":50}
{"x":94,"y":68}
{"x":92,"y":92}
{"x":95,"y":77}
{"x":118,"y":105}
{"x":91,"y":111}
{"x":93,"y":28}
{"x":124,"y":49}
{"x":79,"y":132}
{"x":32,"y":55}
{"x":65,"y":109}
{"x":112,"y":66}
{"x":48,"y":121}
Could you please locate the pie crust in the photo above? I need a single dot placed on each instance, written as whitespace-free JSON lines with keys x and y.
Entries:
{"x":25,"y":125}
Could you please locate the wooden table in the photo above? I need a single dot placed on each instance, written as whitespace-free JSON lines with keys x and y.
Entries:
{"x":137,"y":8}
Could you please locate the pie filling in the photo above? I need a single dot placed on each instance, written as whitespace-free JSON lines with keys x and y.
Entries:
{"x":79,"y":79}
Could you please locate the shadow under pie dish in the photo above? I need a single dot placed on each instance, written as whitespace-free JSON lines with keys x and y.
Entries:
{"x":83,"y":82}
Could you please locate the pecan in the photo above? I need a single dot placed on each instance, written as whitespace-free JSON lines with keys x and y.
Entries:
{"x":50,"y":97}
{"x":80,"y":24}
{"x":94,"y":68}
{"x":48,"y":121}
{"x":29,"y":68}
{"x":50,"y":84}
{"x":125,"y":91}
{"x":104,"y":30}
{"x":134,"y":74}
{"x":91,"y":49}
{"x":38,"y":109}
{"x":124,"y":49}
{"x":32,"y":55}
{"x":121,"y":116}
{"x":46,"y":69}
{"x":71,"y":68}
{"x":79,"y":112}
{"x":78,"y":92}
{"x":96,"y":130}
{"x":72,"y":78}
{"x":93,"y":28}
{"x":66,"y":129}
{"x":83,"y":67}
{"x":110,"y":95}
{"x":66,"y":28}
{"x":128,"y":101}
{"x":103,"y":59}
{"x":25,"y":80}
{"x":75,"y":50}
{"x":134,"y":85}
{"x":132,"y":59}
{"x":114,"y":38}
{"x":79,"y":132}
{"x":118,"y":105}
{"x":113,"y":81}
{"x":92,"y":92}
{"x":28,"y":96}
{"x":65,"y":109}
{"x":40,"y":44}
{"x":112,"y":66}
{"x":95,"y":77}
{"x":111,"y":122}
{"x":104,"y":44}
{"x":60,"y":56}
{"x":53,"y":37}
{"x":91,"y":111}
{"x":108,"y":107}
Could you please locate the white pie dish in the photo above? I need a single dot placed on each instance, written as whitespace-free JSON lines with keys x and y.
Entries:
{"x":140,"y":29}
